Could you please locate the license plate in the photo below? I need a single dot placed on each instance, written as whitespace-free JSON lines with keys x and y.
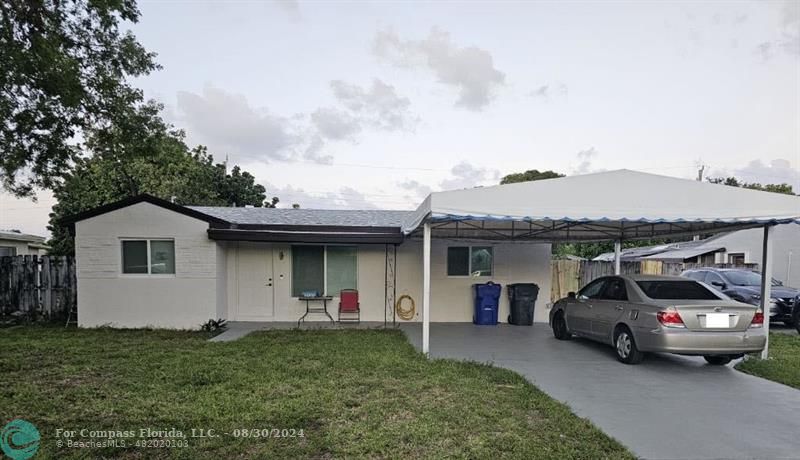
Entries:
{"x":717,"y":320}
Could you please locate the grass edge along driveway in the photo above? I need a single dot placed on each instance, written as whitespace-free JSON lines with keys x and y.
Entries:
{"x":359,"y":393}
{"x":783,"y":365}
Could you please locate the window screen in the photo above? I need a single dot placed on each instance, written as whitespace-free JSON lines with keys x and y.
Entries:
{"x":308,"y":271}
{"x":134,"y":256}
{"x":162,"y":257}
{"x":342,"y":269}
{"x":481,"y":259}
{"x":458,"y":261}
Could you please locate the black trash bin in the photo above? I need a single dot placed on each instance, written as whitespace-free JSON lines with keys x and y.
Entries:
{"x":521,"y":301}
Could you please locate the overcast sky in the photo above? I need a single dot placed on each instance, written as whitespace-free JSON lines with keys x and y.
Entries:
{"x":365,"y":105}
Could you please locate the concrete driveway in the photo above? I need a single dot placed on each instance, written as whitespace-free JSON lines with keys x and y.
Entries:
{"x":668,"y":407}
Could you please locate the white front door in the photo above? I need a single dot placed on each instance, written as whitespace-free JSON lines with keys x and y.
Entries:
{"x":254,"y":282}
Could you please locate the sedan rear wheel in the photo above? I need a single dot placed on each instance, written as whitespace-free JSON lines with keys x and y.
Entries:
{"x":717,"y":360}
{"x":625,"y":344}
{"x":560,"y":330}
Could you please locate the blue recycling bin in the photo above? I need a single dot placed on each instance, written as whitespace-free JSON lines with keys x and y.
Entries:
{"x":487,"y":301}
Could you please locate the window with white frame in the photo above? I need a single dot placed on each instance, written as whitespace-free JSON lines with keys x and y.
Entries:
{"x":324,"y":269}
{"x":8,"y":251}
{"x":470,"y":260}
{"x":148,"y":257}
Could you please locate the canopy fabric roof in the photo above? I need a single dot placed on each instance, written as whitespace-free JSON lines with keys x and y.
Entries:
{"x":593,"y":207}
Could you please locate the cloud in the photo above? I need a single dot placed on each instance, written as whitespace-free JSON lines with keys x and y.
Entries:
{"x":469,"y":69}
{"x":787,"y":38}
{"x":415,"y":188}
{"x":778,"y":171}
{"x":545,"y":92}
{"x":335,"y":124}
{"x":227,"y":123}
{"x":344,"y":198}
{"x":291,"y":8}
{"x":465,"y":175}
{"x":379,"y":106}
{"x":585,"y":158}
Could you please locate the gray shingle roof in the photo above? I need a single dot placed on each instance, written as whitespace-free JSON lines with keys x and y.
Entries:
{"x":282,"y":216}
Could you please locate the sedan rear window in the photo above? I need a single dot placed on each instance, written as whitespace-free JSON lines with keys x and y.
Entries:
{"x":676,"y":290}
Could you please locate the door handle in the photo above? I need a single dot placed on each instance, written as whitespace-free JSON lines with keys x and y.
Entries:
{"x":588,"y":305}
{"x":620,"y":308}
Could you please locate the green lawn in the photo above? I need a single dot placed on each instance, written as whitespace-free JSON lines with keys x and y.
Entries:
{"x":353,"y":393}
{"x":783,"y":364}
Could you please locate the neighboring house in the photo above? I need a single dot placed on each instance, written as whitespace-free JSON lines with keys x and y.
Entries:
{"x":148,"y":262}
{"x":695,"y":252}
{"x":738,"y":248}
{"x":16,"y":243}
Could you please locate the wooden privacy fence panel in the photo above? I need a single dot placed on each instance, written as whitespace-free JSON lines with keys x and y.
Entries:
{"x":571,"y":275}
{"x":37,"y":286}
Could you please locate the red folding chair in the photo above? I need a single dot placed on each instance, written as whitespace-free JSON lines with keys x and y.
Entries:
{"x":349,"y":306}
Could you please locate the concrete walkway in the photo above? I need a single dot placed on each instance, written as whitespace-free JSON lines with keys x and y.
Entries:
{"x":668,"y":407}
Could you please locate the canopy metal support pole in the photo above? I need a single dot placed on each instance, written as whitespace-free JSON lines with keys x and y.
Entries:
{"x":766,"y":282}
{"x":426,"y":288}
{"x":617,"y":256}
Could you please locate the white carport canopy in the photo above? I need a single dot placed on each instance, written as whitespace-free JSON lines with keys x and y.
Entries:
{"x":614,"y":205}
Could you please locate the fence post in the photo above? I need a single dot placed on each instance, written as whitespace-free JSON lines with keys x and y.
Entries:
{"x":47,"y":297}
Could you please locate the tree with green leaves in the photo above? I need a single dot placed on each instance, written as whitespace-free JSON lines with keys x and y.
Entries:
{"x":170,"y":171}
{"x":784,"y":188}
{"x":66,"y":68}
{"x":530,"y":175}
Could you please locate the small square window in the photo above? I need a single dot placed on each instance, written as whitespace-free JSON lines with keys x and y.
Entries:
{"x":481,"y":261}
{"x":162,"y":257}
{"x":458,"y":261}
{"x":134,"y":256}
{"x":142,"y":257}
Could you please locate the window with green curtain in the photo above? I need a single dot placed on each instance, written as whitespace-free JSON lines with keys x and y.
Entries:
{"x":162,"y":257}
{"x":342,"y":269}
{"x":134,"y":256}
{"x":481,"y":261}
{"x":308,"y":269}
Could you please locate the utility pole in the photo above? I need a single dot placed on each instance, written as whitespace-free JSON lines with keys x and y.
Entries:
{"x":699,"y":179}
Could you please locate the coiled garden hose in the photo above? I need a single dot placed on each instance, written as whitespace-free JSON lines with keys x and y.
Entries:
{"x":405,"y":314}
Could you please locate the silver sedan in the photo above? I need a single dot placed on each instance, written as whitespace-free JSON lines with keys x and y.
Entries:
{"x":645,"y":313}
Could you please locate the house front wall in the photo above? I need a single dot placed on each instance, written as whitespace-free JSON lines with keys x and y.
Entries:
{"x":451,"y":297}
{"x":242,"y":281}
{"x":107,"y":297}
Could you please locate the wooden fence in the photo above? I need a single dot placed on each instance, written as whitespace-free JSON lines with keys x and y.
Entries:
{"x":37,"y":287}
{"x":571,"y":275}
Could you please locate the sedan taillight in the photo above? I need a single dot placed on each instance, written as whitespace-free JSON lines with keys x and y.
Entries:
{"x":670,"y":319}
{"x":758,"y":320}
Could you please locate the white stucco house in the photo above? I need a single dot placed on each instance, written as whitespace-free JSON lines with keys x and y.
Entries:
{"x":144,"y":261}
{"x":147,"y":262}
{"x":16,"y":243}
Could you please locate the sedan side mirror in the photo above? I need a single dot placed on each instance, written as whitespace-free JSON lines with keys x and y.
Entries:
{"x":718,"y":284}
{"x":571,"y":294}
